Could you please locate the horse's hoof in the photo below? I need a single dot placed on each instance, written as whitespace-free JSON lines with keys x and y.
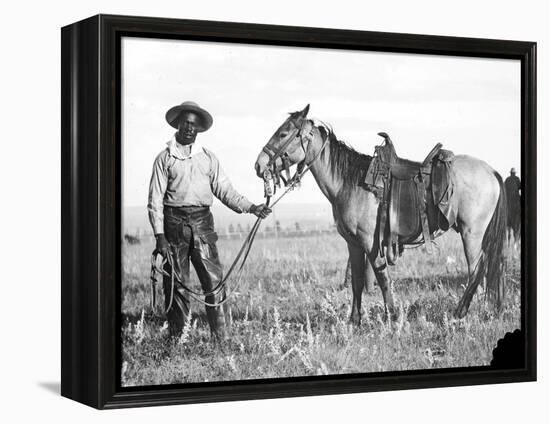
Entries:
{"x":460,"y":312}
{"x":393,"y":313}
{"x":355,"y":319}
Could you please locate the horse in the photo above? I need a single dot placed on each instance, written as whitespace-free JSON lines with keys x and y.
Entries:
{"x":339,"y":171}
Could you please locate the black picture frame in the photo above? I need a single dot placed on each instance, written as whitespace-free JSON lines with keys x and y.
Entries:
{"x":91,"y":222}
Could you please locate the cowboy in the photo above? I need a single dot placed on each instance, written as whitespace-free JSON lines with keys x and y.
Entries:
{"x":513,"y":182}
{"x":512,"y":185}
{"x":185,"y":178}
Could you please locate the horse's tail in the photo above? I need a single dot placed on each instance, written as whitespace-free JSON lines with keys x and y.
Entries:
{"x":491,"y":262}
{"x":492,"y":246}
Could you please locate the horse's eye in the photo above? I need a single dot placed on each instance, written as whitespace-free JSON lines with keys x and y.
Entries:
{"x":283,"y":135}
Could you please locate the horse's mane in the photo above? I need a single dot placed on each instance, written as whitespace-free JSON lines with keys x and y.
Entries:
{"x":345,"y":160}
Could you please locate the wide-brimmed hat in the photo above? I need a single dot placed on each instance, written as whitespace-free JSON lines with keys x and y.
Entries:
{"x":173,"y":114}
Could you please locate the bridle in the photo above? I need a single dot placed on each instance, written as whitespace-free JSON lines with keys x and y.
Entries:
{"x":271,"y":176}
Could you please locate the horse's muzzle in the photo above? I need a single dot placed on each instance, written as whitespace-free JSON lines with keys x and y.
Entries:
{"x":261,"y":164}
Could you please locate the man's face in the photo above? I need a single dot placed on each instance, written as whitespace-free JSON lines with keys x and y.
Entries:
{"x":187,"y":127}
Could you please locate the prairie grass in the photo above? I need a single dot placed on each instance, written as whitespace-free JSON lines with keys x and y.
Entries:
{"x":291,"y":317}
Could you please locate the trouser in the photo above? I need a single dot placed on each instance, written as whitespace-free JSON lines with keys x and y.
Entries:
{"x":190,"y":232}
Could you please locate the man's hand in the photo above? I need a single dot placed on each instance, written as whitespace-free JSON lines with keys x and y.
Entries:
{"x":261,"y":211}
{"x":162,"y":245}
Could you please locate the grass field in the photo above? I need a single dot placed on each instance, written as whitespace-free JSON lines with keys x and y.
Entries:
{"x":291,"y":317}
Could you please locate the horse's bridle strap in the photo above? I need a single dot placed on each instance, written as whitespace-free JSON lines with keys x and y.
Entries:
{"x":276,"y":154}
{"x":268,"y":150}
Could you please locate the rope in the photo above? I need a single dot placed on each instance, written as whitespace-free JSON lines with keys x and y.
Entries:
{"x":245,"y":249}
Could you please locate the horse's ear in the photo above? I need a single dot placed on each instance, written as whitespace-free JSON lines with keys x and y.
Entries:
{"x":305,"y":111}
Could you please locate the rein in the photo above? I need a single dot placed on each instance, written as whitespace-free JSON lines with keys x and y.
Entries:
{"x":290,"y":184}
{"x":220,"y":287}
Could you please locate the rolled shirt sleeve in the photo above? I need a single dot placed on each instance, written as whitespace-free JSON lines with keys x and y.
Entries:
{"x":223,"y":189}
{"x":157,"y":188}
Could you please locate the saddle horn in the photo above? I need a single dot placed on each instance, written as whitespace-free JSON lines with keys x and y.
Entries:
{"x":386,"y":137}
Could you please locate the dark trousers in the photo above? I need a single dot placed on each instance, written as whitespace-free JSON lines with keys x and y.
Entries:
{"x":190,"y":232}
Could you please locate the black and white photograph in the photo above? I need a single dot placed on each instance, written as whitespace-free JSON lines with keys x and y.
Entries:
{"x":275,"y":212}
{"x":297,"y":212}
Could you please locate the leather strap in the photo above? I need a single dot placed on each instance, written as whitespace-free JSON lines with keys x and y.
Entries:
{"x":421,"y":191}
{"x":395,"y":207}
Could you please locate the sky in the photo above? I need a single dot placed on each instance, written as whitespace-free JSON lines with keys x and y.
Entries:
{"x":470,"y":105}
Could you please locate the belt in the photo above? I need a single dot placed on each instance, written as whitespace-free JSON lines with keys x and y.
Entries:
{"x":187,"y":211}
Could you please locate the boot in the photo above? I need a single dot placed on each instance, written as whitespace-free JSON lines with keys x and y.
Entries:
{"x":216,"y":320}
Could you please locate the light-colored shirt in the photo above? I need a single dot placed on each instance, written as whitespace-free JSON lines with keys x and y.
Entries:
{"x":189,"y":180}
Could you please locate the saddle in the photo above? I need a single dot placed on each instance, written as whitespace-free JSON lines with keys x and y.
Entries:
{"x":415,"y":197}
